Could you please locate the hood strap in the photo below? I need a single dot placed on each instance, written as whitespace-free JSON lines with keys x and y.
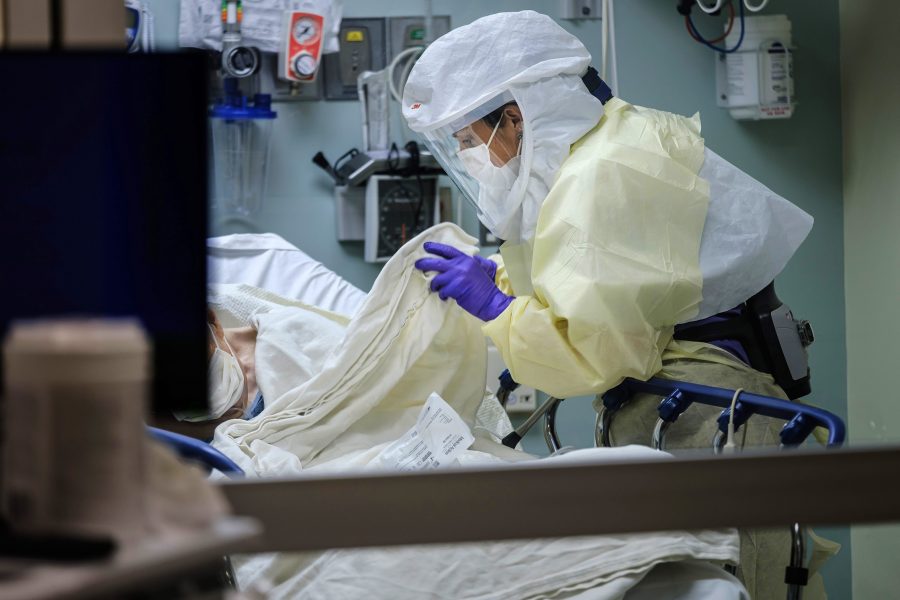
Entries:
{"x":596,"y":86}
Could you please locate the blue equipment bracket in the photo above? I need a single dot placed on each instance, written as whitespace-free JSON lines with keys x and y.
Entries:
{"x":673,"y":405}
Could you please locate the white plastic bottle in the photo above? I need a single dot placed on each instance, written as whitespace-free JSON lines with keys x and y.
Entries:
{"x":757,"y":81}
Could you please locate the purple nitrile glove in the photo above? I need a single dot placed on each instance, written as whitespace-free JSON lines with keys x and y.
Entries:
{"x":488,"y":266}
{"x":466,"y":279}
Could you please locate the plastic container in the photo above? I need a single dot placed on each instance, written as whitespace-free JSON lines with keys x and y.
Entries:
{"x":241,"y":131}
{"x":74,"y":458}
{"x":757,"y":81}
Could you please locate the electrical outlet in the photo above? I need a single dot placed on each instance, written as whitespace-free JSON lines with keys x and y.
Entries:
{"x":523,"y":399}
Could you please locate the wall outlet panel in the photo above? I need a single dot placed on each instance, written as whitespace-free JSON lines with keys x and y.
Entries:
{"x":523,"y":399}
{"x":362,"y":44}
{"x":408,"y":32}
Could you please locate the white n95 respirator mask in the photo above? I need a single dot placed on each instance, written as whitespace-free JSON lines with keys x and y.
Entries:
{"x":477,"y":162}
{"x":494,"y":183}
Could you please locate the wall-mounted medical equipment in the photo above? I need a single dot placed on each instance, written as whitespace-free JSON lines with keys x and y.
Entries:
{"x":355,"y":167}
{"x":397,"y":209}
{"x":350,"y":211}
{"x":580,"y":9}
{"x":200,"y":23}
{"x":287,"y":91}
{"x":237,"y":59}
{"x":353,"y":175}
{"x":754,"y":61}
{"x":373,"y":89}
{"x":241,"y":129}
{"x":139,"y":30}
{"x":757,"y":80}
{"x":385,"y":199}
{"x":301,"y":46}
{"x":411,"y":32}
{"x":407,"y":39}
{"x":362,"y":48}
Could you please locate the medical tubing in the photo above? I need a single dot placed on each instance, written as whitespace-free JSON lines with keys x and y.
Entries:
{"x":710,"y":9}
{"x":404,"y":74}
{"x":395,"y":93}
{"x":708,"y":44}
{"x":756,"y":8}
{"x":393,"y":158}
{"x":722,"y":37}
{"x":658,"y":437}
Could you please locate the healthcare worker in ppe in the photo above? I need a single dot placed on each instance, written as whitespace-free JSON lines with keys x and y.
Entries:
{"x":618,"y":225}
{"x":618,"y":222}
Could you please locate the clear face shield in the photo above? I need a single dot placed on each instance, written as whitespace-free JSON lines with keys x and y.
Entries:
{"x":481,"y":152}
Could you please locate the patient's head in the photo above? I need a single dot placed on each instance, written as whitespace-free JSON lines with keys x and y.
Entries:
{"x":227,"y":376}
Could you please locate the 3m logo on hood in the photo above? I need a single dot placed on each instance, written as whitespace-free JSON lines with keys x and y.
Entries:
{"x":415,"y":106}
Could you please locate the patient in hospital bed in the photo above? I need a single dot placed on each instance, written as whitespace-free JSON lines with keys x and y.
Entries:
{"x":334,"y":378}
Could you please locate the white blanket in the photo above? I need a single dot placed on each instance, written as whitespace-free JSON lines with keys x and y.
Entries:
{"x":338,"y":393}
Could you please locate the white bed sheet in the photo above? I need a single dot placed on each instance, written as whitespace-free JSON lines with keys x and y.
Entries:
{"x":270,"y":262}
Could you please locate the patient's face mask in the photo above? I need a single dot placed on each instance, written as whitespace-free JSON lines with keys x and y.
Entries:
{"x":226,"y":380}
{"x":226,"y":383}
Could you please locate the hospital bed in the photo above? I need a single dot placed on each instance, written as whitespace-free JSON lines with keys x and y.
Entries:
{"x":676,"y":396}
{"x":270,"y":262}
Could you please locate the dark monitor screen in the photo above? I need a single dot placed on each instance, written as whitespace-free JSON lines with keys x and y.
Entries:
{"x":103,"y":192}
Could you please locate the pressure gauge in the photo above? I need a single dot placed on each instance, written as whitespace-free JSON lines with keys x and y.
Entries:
{"x":305,"y":65}
{"x":398,"y":217}
{"x":305,"y":31}
{"x":397,"y":210}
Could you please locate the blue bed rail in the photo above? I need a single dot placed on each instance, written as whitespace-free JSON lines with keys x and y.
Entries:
{"x":192,"y":449}
{"x":801,"y":419}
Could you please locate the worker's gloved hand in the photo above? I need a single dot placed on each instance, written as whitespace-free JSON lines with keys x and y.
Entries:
{"x":487,"y":265}
{"x":466,"y":279}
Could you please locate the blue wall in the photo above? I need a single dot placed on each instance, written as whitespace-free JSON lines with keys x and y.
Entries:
{"x":659,"y":66}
